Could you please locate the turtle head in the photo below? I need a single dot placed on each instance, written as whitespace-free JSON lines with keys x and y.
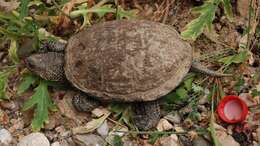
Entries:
{"x":49,"y":65}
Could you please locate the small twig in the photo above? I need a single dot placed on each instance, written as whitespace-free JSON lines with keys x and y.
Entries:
{"x":116,"y":122}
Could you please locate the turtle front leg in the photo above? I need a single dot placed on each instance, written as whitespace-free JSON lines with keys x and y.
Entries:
{"x":52,"y":46}
{"x":146,"y":114}
{"x":84,"y":103}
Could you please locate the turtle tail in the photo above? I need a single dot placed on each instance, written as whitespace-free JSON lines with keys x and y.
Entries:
{"x":197,"y":67}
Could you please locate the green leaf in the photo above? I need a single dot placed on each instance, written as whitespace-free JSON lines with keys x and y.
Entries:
{"x":100,"y":11}
{"x":239,"y":84}
{"x":188,"y":83}
{"x":121,"y":112}
{"x":237,"y":58}
{"x":182,"y":93}
{"x":42,"y":103}
{"x":28,"y":80}
{"x":255,"y":93}
{"x":13,"y":51}
{"x":153,"y":137}
{"x":207,"y":15}
{"x":228,"y":9}
{"x":117,"y":141}
{"x":121,"y":13}
{"x":196,"y":88}
{"x":4,"y":81}
{"x":3,"y":85}
{"x":24,"y":8}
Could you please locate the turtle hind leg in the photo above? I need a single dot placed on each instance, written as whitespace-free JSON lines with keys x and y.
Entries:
{"x":146,"y":114}
{"x":84,"y":103}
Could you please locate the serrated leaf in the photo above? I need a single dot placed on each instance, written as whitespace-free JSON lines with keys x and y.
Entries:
{"x":28,"y":80}
{"x":228,"y":9}
{"x":4,"y":81}
{"x":3,"y":85}
{"x":100,"y":11}
{"x":121,"y":13}
{"x":12,"y":52}
{"x":24,"y":8}
{"x":42,"y":103}
{"x":196,"y":26}
{"x":237,"y":58}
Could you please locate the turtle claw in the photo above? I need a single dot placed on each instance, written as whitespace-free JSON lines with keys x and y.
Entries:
{"x":146,"y":114}
{"x":84,"y":103}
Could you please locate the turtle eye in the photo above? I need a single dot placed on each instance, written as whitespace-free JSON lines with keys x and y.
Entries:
{"x":28,"y":63}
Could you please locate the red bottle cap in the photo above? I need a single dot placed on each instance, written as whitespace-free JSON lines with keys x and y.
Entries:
{"x":232,"y":109}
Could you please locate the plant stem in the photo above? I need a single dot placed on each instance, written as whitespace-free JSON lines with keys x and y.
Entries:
{"x":153,"y":132}
{"x":249,"y":24}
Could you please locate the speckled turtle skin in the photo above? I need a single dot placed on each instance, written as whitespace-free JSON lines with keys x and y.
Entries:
{"x":127,"y":60}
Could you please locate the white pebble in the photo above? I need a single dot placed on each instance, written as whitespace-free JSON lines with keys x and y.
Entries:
{"x":5,"y":137}
{"x":103,"y":129}
{"x":34,"y":139}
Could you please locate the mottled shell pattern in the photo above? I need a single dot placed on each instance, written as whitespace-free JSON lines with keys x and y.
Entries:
{"x":127,"y":60}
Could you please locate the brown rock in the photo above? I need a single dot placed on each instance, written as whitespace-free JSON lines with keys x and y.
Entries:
{"x":164,"y":125}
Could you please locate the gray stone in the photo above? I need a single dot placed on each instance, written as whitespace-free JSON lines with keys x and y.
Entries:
{"x":174,"y":118}
{"x":103,"y":129}
{"x":34,"y":139}
{"x":130,"y":143}
{"x":88,"y":140}
{"x":5,"y":137}
{"x":64,"y":142}
{"x":55,"y":144}
{"x":200,"y":141}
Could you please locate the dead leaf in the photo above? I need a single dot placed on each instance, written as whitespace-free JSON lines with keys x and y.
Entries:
{"x":98,"y":112}
{"x":92,"y":125}
{"x":63,"y":21}
{"x":66,"y":108}
{"x":8,"y":6}
{"x":4,"y":119}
